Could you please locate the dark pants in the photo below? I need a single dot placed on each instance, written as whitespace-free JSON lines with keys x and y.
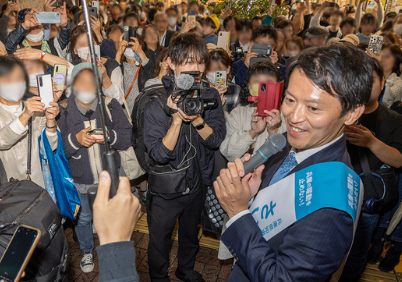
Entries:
{"x":357,"y":258}
{"x":162,"y":215}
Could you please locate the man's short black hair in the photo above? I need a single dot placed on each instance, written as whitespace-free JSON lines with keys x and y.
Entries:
{"x":337,"y":13}
{"x":349,"y":20}
{"x":159,"y":4}
{"x":226,"y":20}
{"x":368,"y":18}
{"x":257,"y":18}
{"x":171,"y":9}
{"x":264,"y":31}
{"x":326,"y":15}
{"x":391,"y":15}
{"x":186,"y":46}
{"x":315,"y":32}
{"x":243,"y":24}
{"x":377,"y":68}
{"x":325,"y":67}
{"x":151,"y":14}
{"x":194,"y":3}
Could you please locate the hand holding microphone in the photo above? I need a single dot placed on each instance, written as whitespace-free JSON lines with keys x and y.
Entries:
{"x":235,"y":186}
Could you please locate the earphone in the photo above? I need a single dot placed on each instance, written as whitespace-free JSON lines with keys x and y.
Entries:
{"x":373,"y":204}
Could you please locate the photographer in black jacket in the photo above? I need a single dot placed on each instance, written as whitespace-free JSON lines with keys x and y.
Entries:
{"x":182,"y":144}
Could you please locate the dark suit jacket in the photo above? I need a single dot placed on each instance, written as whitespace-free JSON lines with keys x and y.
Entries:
{"x":311,"y":249}
{"x":169,"y":34}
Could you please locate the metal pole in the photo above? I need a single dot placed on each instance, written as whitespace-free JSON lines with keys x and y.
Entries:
{"x":108,"y":157}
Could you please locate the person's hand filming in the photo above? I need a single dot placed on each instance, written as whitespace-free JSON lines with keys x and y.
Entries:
{"x":115,"y":218}
{"x":84,"y":138}
{"x":234,"y":189}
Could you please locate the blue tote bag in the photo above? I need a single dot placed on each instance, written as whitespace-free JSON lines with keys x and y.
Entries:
{"x":66,"y":194}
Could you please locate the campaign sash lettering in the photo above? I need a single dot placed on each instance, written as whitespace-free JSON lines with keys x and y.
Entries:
{"x":323,"y":185}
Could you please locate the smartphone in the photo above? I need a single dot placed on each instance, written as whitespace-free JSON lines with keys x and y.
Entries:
{"x":96,"y":131}
{"x":223,"y":40}
{"x":48,"y":17}
{"x":269,"y":97}
{"x":221,"y":77}
{"x":191,"y":16}
{"x":97,"y":51}
{"x":375,"y":44}
{"x":228,"y":6}
{"x":129,"y":31}
{"x":59,"y":76}
{"x":95,"y":4}
{"x":56,"y":4}
{"x":93,"y":11}
{"x":18,"y":252}
{"x":45,"y":89}
{"x":262,"y":49}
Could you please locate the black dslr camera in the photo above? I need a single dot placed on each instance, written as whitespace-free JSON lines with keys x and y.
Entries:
{"x":263,"y":51}
{"x":237,"y":53}
{"x":191,"y":102}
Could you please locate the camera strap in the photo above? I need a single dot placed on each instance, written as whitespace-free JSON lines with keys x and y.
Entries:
{"x":187,"y":132}
{"x":135,"y":78}
{"x":366,"y":169}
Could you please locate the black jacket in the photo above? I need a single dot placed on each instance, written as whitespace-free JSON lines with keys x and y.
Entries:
{"x":146,"y":72}
{"x":157,"y":123}
{"x":18,"y":35}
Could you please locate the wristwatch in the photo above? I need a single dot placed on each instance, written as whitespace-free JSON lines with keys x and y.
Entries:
{"x":200,"y":126}
{"x":42,"y":55}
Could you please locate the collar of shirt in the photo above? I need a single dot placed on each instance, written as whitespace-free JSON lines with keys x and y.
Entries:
{"x":300,"y":157}
{"x":83,"y":110}
{"x":162,"y":38}
{"x":172,"y":29}
{"x":16,"y":109}
{"x":245,"y":46}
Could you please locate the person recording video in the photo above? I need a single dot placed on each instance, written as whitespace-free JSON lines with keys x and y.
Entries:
{"x":180,"y":143}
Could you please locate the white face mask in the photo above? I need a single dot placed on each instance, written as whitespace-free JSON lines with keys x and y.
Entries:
{"x":398,"y":29}
{"x":172,"y":21}
{"x":129,"y":53}
{"x":85,"y":97}
{"x":33,"y":82}
{"x":293,"y":53}
{"x":211,"y":77}
{"x":13,"y":92}
{"x":35,"y":37}
{"x":83,"y":52}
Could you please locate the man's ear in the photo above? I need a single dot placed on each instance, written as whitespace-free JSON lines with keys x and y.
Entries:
{"x":169,"y":61}
{"x":353,"y":115}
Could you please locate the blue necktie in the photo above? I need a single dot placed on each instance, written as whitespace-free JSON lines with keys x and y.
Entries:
{"x":289,"y":163}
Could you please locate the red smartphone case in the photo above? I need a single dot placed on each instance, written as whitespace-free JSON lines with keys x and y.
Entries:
{"x":270,"y":98}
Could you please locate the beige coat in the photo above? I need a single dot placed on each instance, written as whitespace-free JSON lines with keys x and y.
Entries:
{"x":238,"y":141}
{"x":14,"y":146}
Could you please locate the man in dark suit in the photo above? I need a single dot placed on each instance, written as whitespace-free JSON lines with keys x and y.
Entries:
{"x":161,"y":24}
{"x":316,"y":110}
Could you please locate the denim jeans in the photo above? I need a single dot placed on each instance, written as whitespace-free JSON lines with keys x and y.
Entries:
{"x":83,"y":225}
{"x":357,"y":258}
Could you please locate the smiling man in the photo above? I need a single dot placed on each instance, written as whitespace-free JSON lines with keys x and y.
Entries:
{"x":293,"y":219}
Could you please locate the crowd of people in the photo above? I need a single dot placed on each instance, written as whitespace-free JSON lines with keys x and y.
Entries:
{"x":336,"y":70}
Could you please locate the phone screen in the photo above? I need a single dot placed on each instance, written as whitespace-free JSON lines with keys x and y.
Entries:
{"x":191,"y":16}
{"x":18,"y":249}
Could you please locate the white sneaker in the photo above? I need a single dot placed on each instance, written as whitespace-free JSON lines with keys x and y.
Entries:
{"x":87,"y":262}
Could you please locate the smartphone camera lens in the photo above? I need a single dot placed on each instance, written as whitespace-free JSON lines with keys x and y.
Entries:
{"x":40,"y":81}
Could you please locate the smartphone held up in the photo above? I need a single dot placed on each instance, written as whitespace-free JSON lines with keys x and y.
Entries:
{"x":269,"y":97}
